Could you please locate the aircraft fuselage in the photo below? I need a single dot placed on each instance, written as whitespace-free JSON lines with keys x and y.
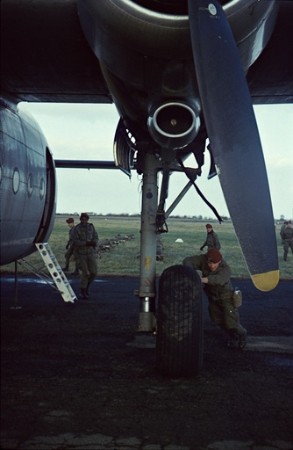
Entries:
{"x":27,"y":185}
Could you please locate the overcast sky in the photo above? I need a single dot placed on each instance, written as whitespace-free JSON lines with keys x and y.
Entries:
{"x":87,"y":132}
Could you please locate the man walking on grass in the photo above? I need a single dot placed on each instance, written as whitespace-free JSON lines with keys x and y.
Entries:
{"x":85,"y":240}
{"x":212,"y":240}
{"x":70,"y":247}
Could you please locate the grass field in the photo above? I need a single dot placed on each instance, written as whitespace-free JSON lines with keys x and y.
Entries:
{"x":123,"y":259}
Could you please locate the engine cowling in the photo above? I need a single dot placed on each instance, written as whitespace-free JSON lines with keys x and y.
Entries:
{"x":144,"y":50}
{"x":126,"y":32}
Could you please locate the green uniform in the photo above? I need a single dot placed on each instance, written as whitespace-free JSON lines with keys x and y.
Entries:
{"x":287,"y":239}
{"x":85,"y":240}
{"x":212,"y":241}
{"x":219,"y":291}
{"x":70,"y":249}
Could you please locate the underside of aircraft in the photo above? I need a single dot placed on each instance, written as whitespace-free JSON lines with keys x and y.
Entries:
{"x":183,"y":76}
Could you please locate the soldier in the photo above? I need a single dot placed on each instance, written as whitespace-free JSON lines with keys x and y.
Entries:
{"x":283,"y":227}
{"x":287,"y":238}
{"x":217,"y":285}
{"x":70,"y":246}
{"x":212,"y":240}
{"x":85,"y":240}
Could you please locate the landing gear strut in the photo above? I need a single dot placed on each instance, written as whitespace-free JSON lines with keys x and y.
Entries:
{"x":178,"y":323}
{"x":148,"y":245}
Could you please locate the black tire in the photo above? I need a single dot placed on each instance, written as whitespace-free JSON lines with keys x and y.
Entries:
{"x":179,"y":347}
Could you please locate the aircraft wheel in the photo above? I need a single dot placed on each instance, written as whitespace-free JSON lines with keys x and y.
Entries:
{"x":179,"y":346}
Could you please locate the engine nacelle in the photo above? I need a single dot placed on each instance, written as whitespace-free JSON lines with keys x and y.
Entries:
{"x":146,"y":57}
{"x":27,"y":185}
{"x":122,"y":32}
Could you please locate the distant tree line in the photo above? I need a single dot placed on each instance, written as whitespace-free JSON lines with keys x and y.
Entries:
{"x":198,"y":218}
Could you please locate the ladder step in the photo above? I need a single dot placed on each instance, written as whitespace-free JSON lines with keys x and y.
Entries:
{"x":56,"y":272}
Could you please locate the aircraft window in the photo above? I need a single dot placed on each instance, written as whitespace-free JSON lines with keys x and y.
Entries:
{"x":42,"y":188}
{"x":30,"y":184}
{"x":15,"y":180}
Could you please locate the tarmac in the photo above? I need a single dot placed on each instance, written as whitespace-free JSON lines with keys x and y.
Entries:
{"x":76,"y":376}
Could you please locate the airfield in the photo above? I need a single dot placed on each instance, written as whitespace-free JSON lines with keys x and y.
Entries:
{"x":73,"y":376}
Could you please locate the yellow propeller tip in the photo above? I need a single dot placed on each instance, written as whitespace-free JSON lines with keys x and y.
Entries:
{"x":266,"y":281}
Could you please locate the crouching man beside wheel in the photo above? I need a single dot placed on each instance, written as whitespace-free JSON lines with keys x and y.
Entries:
{"x":216,"y":281}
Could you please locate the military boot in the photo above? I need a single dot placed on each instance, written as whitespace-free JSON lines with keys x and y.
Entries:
{"x":233,"y":341}
{"x":87,"y":290}
{"x":242,"y":341}
{"x":83,"y":294}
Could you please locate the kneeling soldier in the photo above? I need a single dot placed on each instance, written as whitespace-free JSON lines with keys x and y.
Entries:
{"x":217,"y":285}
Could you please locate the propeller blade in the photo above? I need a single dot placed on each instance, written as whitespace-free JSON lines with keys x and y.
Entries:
{"x":234,"y":139}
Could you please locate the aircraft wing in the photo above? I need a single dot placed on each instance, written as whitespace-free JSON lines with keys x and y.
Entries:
{"x":270,"y":79}
{"x":45,"y":56}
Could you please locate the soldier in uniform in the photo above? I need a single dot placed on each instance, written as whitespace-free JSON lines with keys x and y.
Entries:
{"x":287,"y":238}
{"x":283,"y":227}
{"x":85,"y":241}
{"x":212,"y":240}
{"x":217,"y":285}
{"x":70,"y":246}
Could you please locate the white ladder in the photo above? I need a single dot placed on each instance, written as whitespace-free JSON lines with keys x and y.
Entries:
{"x":56,"y":272}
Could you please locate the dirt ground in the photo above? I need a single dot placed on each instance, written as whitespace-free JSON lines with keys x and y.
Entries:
{"x":73,"y":369}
